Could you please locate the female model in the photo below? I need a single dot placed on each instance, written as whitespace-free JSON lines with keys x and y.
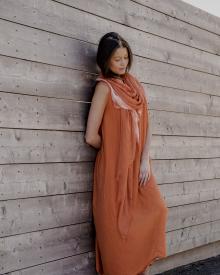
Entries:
{"x":129,"y":212}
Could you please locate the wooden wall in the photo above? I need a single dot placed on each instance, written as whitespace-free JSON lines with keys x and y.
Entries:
{"x":47,"y":69}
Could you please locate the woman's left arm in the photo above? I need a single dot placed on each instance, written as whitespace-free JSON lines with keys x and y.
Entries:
{"x":145,"y":155}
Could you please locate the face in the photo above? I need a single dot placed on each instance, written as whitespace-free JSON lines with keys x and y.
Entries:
{"x":119,"y":61}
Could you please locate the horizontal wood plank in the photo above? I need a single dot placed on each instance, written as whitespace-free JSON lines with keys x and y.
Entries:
{"x":159,"y":98}
{"x":33,"y":78}
{"x":191,"y":237}
{"x":186,"y":257}
{"x":61,"y":210}
{"x":185,"y":170}
{"x":138,"y":16}
{"x":168,"y":123}
{"x":42,"y":146}
{"x":182,"y":101}
{"x":23,"y":111}
{"x":33,"y":180}
{"x":187,"y":192}
{"x":193,"y":214}
{"x":36,"y":45}
{"x":61,"y":19}
{"x":185,"y":12}
{"x":83,"y":264}
{"x":57,"y":50}
{"x":48,"y":245}
{"x":34,"y":248}
{"x":34,"y":214}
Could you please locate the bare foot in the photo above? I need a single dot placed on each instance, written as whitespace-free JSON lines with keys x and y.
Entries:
{"x":146,"y":272}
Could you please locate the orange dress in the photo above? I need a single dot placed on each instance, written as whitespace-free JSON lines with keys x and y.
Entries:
{"x":130,"y":220}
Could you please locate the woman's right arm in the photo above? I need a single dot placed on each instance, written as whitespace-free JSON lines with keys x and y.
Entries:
{"x":96,"y":112}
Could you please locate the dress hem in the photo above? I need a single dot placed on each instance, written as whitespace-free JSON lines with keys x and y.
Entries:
{"x":152,"y":260}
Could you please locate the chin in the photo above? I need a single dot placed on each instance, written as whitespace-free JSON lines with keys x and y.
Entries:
{"x":122,"y":73}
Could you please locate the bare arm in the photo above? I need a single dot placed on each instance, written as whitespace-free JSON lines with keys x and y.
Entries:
{"x":145,"y":153}
{"x":96,"y":111}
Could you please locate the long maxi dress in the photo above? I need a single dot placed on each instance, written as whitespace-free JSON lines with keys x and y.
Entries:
{"x":130,"y":220}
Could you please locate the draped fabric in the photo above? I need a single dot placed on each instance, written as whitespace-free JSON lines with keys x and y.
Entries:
{"x":122,"y":210}
{"x":129,"y":98}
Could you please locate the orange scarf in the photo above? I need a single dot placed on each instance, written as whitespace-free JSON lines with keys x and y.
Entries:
{"x":129,"y":97}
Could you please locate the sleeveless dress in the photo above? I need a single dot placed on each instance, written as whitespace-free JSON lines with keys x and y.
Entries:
{"x":130,"y":231}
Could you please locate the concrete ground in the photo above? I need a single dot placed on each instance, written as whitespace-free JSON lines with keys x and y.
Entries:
{"x":209,"y":266}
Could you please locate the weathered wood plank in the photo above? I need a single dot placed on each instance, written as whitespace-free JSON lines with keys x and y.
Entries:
{"x":191,"y":237}
{"x":181,"y":170}
{"x":32,"y":180}
{"x":158,"y":73}
{"x":193,"y":214}
{"x":30,"y":111}
{"x":49,"y":244}
{"x":181,"y":101}
{"x":186,"y":257}
{"x":35,"y":214}
{"x":147,"y":71}
{"x":185,"y":12}
{"x":25,"y":180}
{"x":33,"y":78}
{"x":166,"y":123}
{"x":61,"y":19}
{"x":23,"y":111}
{"x":61,"y":210}
{"x":83,"y":264}
{"x":181,"y":193}
{"x":40,"y":146}
{"x":34,"y":248}
{"x":163,"y":122}
{"x":137,"y":16}
{"x":181,"y":147}
{"x":57,"y":50}
{"x":36,"y":45}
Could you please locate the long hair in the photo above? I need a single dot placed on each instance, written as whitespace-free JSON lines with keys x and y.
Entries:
{"x":107,"y":45}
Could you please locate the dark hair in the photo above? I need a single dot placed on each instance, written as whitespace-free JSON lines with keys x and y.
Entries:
{"x":107,"y":45}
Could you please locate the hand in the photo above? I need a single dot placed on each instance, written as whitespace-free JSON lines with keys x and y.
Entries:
{"x":145,"y":173}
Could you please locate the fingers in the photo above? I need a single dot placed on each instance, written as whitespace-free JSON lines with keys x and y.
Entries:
{"x":143,"y":179}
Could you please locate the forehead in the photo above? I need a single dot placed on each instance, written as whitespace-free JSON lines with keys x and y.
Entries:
{"x":120,"y":51}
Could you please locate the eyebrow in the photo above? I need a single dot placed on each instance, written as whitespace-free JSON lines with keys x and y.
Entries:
{"x":119,"y":56}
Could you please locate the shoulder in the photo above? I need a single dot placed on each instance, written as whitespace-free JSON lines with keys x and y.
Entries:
{"x":102,"y":92}
{"x":103,"y":88}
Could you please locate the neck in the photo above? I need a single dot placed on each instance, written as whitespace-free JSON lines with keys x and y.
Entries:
{"x":121,"y":77}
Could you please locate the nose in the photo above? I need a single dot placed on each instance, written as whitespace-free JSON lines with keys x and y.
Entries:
{"x":123,"y":62}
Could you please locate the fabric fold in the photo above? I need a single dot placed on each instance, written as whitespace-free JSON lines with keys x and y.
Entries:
{"x":130,"y":99}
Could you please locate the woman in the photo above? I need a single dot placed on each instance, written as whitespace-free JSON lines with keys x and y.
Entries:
{"x":129,"y":211}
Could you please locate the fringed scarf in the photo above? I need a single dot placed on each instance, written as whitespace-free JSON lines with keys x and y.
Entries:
{"x":129,"y":97}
